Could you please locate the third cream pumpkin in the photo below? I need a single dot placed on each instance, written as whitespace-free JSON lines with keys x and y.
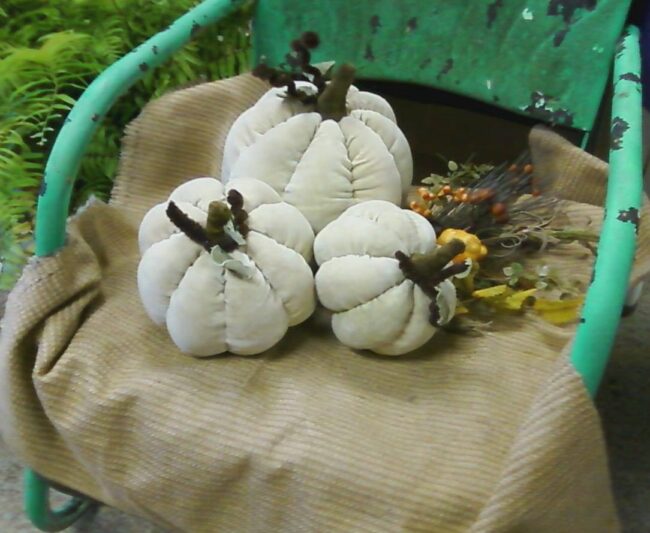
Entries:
{"x":384,"y":278}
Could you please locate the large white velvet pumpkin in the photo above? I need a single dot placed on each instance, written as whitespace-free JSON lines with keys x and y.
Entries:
{"x":321,"y":166}
{"x":210,"y":308}
{"x":375,"y":305}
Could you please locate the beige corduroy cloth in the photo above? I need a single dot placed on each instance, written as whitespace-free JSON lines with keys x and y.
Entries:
{"x":490,"y":434}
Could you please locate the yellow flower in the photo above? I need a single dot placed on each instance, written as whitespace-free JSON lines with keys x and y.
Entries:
{"x":474,"y":248}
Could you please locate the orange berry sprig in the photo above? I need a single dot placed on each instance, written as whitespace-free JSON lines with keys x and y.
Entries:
{"x":419,"y":208}
{"x":464,"y":202}
{"x":461,"y":195}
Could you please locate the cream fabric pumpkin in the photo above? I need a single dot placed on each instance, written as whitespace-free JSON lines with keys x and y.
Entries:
{"x":321,"y":166}
{"x":210,"y":308}
{"x":375,"y":305}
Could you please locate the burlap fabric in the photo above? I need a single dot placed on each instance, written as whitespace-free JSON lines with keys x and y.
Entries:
{"x":490,"y":434}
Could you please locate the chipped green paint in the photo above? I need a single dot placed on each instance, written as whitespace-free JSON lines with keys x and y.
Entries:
{"x":492,"y":11}
{"x":569,"y":11}
{"x":613,"y":265}
{"x":631,"y":215}
{"x":619,"y":128}
{"x":508,"y":43}
{"x":544,"y":107}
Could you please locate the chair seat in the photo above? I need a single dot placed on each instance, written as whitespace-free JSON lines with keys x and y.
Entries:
{"x":488,"y":433}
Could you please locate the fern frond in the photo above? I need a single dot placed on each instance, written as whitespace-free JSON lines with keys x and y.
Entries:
{"x":50,"y":50}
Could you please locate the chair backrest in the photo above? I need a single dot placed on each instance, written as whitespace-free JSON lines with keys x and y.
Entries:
{"x":546,"y":59}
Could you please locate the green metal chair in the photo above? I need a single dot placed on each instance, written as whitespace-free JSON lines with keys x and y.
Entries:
{"x":561,"y":54}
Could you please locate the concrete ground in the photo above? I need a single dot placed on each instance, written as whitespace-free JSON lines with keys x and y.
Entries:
{"x":624,"y":403}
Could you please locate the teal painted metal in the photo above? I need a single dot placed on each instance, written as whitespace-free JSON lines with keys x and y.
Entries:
{"x":549,"y":59}
{"x":606,"y":295}
{"x":37,"y":505}
{"x":81,"y":123}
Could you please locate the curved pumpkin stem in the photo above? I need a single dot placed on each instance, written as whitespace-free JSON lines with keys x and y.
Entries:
{"x":330,"y":98}
{"x":219,"y":215}
{"x":331,"y":103}
{"x":240,"y":216}
{"x":429,"y":270}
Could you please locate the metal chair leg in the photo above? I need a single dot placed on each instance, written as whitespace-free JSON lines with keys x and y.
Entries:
{"x":37,"y":505}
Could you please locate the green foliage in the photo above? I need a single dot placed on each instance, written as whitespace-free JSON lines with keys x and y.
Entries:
{"x":50,"y":50}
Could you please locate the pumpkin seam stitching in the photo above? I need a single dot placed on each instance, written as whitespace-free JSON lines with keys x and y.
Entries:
{"x":360,"y":114}
{"x":256,"y":137}
{"x":302,"y":156}
{"x":275,"y":291}
{"x":174,"y":231}
{"x":375,"y":297}
{"x":381,"y":140}
{"x":275,"y":125}
{"x":198,"y":256}
{"x":225,"y":314}
{"x":271,"y":285}
{"x":378,"y":296}
{"x":411,"y":315}
{"x":259,"y":134}
{"x":416,"y":232}
{"x":397,"y":237}
{"x":363,"y":94}
{"x":277,"y":242}
{"x":346,"y":142}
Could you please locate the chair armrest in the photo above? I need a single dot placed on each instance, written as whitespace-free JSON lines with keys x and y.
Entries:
{"x":606,"y":295}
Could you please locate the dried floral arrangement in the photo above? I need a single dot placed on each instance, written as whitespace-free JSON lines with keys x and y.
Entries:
{"x":507,"y":219}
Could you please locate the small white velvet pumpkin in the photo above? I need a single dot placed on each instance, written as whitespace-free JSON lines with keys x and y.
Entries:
{"x":243,"y":301}
{"x":321,"y":165}
{"x":375,"y":304}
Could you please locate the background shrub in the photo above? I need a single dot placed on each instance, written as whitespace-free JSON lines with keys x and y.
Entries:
{"x":50,"y":50}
